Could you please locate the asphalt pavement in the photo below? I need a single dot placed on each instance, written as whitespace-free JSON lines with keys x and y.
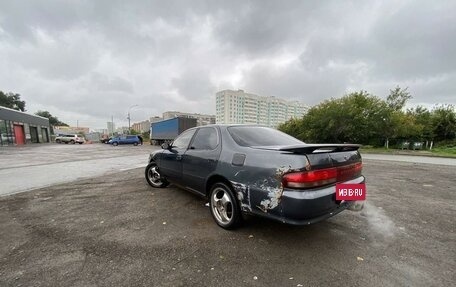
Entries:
{"x":411,"y":158}
{"x":30,"y":167}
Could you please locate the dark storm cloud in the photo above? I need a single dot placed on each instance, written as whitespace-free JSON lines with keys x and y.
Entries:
{"x":93,"y":59}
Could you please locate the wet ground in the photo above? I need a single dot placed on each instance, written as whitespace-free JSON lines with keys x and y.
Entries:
{"x":115,"y":230}
{"x":28,"y":167}
{"x":412,"y":158}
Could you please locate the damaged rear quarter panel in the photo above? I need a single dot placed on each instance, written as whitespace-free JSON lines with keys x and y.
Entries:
{"x":258,"y":183}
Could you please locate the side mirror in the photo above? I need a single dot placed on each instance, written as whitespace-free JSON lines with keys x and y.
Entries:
{"x":165,"y":146}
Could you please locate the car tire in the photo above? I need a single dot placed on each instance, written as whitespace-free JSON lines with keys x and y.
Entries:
{"x":153,"y":176}
{"x":115,"y":144}
{"x":224,"y":206}
{"x":72,"y":142}
{"x":66,"y":142}
{"x":135,"y":143}
{"x":58,"y":141}
{"x":80,"y":143}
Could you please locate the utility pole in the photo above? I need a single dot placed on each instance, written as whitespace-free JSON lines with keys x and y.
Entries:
{"x":128,"y":117}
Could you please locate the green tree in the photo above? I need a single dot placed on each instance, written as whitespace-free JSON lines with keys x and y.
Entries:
{"x":12,"y":101}
{"x":395,"y":123}
{"x":444,"y":122}
{"x":363,"y":118}
{"x":293,"y":127}
{"x":134,"y":132}
{"x":397,"y":98}
{"x":357,"y":117}
{"x":423,"y":119}
{"x":53,"y":121}
{"x":146,"y":136}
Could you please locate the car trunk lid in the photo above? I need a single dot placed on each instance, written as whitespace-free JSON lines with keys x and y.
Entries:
{"x":327,"y":164}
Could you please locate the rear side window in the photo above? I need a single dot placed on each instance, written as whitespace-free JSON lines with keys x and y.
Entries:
{"x":205,"y":139}
{"x":260,"y":136}
{"x":131,"y":137}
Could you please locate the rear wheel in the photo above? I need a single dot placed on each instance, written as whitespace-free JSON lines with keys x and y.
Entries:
{"x":135,"y":143}
{"x":154,"y":177}
{"x":224,"y":206}
{"x":80,"y":143}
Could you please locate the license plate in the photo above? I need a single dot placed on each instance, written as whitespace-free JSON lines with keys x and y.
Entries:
{"x":347,"y":191}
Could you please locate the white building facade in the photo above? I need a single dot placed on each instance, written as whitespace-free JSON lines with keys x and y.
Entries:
{"x":111,"y":127}
{"x":141,"y":127}
{"x":238,"y":107}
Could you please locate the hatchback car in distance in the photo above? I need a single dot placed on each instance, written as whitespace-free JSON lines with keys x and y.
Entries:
{"x":128,"y":139}
{"x":257,"y":170}
{"x":69,"y":138}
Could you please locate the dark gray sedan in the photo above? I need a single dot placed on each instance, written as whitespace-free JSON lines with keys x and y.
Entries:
{"x":257,"y":170}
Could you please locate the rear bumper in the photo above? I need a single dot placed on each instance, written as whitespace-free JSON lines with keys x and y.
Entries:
{"x":304,"y":207}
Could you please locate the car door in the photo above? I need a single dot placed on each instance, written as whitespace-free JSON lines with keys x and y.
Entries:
{"x":201,"y":158}
{"x":122,"y":140}
{"x":171,"y":159}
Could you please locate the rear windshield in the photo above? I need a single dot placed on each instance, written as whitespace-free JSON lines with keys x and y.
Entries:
{"x":260,"y":136}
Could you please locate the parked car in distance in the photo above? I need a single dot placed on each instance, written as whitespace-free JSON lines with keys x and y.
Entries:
{"x":105,"y":140}
{"x":126,"y":139}
{"x":69,"y":138}
{"x":5,"y":138}
{"x":257,"y":170}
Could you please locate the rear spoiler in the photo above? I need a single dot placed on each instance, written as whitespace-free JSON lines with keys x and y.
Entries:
{"x":311,"y":148}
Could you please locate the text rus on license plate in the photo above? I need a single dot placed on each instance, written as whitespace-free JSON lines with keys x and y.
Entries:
{"x":347,"y":191}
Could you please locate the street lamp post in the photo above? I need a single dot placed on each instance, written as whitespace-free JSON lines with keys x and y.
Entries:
{"x":128,"y":117}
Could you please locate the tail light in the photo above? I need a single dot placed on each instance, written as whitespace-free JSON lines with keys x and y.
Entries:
{"x":321,"y":177}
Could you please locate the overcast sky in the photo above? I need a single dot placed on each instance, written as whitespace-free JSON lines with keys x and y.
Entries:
{"x":87,"y":60}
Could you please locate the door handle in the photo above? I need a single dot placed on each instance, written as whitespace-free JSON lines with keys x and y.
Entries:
{"x":179,"y":157}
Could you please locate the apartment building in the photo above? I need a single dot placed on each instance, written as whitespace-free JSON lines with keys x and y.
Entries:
{"x":141,"y":127}
{"x":111,"y":127}
{"x":239,"y":107}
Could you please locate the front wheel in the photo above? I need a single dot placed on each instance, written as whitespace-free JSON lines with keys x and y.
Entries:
{"x":114,"y":143}
{"x":154,"y":177}
{"x":72,"y":142}
{"x":224,"y":206}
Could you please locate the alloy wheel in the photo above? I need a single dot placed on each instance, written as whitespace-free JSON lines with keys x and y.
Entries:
{"x":222,"y":206}
{"x":154,"y":176}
